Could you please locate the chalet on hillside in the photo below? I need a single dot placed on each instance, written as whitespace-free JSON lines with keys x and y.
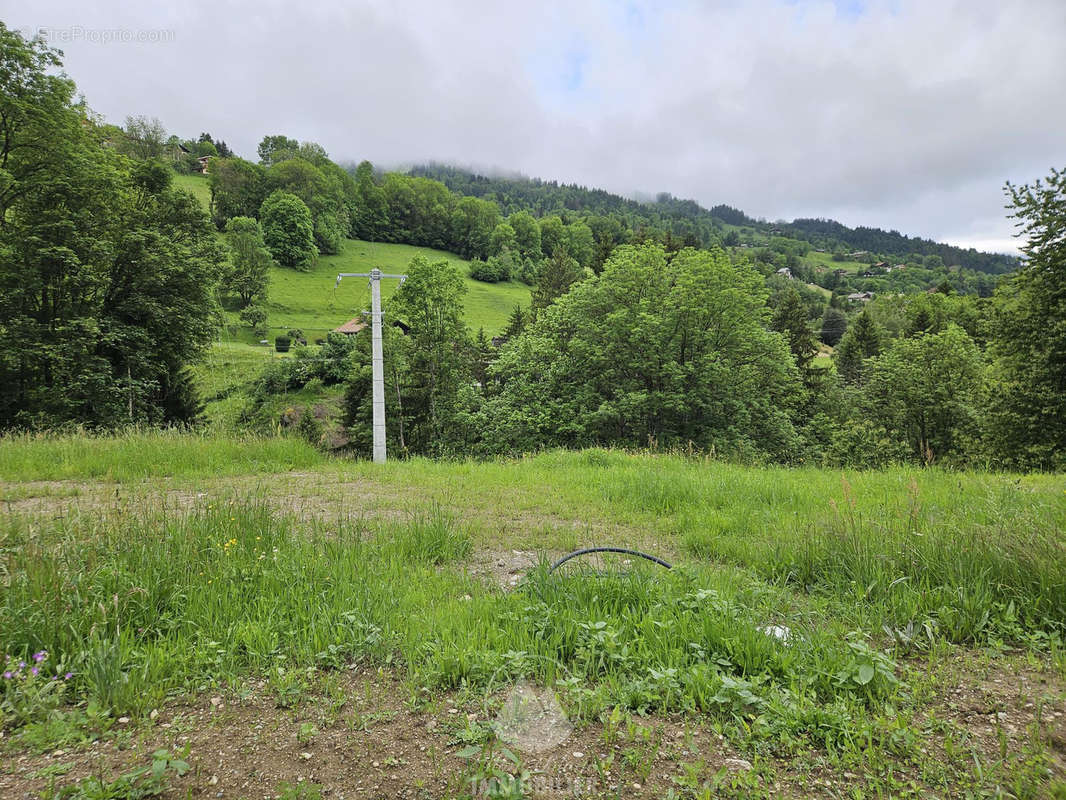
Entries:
{"x":355,"y":325}
{"x":351,"y":327}
{"x":203,"y":161}
{"x":861,"y":297}
{"x":785,"y":271}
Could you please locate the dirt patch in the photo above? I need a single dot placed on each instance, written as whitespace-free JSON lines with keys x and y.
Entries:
{"x":505,"y":568}
{"x":365,"y":738}
{"x":359,"y":733}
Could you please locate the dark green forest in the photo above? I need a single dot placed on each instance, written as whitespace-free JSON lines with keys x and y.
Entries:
{"x":648,"y":325}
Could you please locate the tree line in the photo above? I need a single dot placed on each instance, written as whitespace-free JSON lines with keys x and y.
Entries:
{"x":690,"y":350}
{"x":111,"y":280}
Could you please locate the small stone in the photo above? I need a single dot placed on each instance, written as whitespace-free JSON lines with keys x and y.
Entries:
{"x":216,"y":701}
{"x":376,"y":764}
{"x":305,"y":756}
{"x":153,"y":714}
{"x":57,"y":753}
{"x":738,"y":764}
{"x":578,"y":754}
{"x":123,"y":720}
{"x":453,"y":710}
{"x":213,"y":781}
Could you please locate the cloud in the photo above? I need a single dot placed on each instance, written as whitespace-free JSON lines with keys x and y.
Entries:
{"x":905,"y":114}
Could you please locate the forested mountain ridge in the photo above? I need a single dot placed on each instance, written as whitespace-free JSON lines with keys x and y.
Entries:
{"x":686,"y":219}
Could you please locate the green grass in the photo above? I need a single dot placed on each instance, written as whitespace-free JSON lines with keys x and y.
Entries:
{"x":197,"y":184}
{"x":137,"y":455}
{"x":881,"y":577}
{"x":825,"y":261}
{"x":309,"y":300}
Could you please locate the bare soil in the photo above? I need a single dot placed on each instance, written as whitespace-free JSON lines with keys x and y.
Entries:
{"x":363,"y":737}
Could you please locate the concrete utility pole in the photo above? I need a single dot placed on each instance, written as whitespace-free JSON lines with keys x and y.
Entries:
{"x":377,"y":361}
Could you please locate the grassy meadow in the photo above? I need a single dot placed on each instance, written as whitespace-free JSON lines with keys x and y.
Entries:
{"x":894,"y":633}
{"x":309,"y":300}
{"x":312,"y":302}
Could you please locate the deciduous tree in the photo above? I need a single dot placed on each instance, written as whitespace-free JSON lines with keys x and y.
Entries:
{"x":288,"y":230}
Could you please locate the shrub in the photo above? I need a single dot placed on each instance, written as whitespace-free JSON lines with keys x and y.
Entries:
{"x":496,"y":269}
{"x":310,"y":427}
{"x":281,"y":344}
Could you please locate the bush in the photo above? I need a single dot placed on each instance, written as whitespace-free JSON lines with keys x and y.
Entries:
{"x":310,"y":427}
{"x":281,"y":344}
{"x":495,"y":270}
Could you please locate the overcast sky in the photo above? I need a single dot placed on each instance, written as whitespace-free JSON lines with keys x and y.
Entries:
{"x":905,"y":114}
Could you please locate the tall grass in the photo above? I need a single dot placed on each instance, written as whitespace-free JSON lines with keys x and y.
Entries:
{"x":137,"y":454}
{"x":143,"y":606}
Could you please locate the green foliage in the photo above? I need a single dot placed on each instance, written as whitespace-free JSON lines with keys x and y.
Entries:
{"x":651,"y":350}
{"x":249,"y":267}
{"x":255,"y":317}
{"x":517,"y":322}
{"x":790,"y":320}
{"x":370,"y":213}
{"x":331,"y":364}
{"x":498,"y":268}
{"x":834,"y":325}
{"x":554,"y":278}
{"x":527,"y":235}
{"x":275,"y":149}
{"x":238,"y":188}
{"x":310,"y":428}
{"x":144,"y":138}
{"x":150,"y":781}
{"x":472,"y":225}
{"x":30,"y":688}
{"x":1028,"y":334}
{"x":926,"y":390}
{"x":861,"y":342}
{"x":107,"y":274}
{"x":324,"y":188}
{"x":503,"y":238}
{"x":288,"y":230}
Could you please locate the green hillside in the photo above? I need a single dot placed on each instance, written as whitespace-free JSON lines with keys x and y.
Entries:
{"x":197,"y":184}
{"x":312,"y":302}
{"x":309,"y":301}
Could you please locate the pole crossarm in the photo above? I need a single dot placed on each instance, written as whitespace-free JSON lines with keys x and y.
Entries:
{"x":377,"y":359}
{"x":373,"y":275}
